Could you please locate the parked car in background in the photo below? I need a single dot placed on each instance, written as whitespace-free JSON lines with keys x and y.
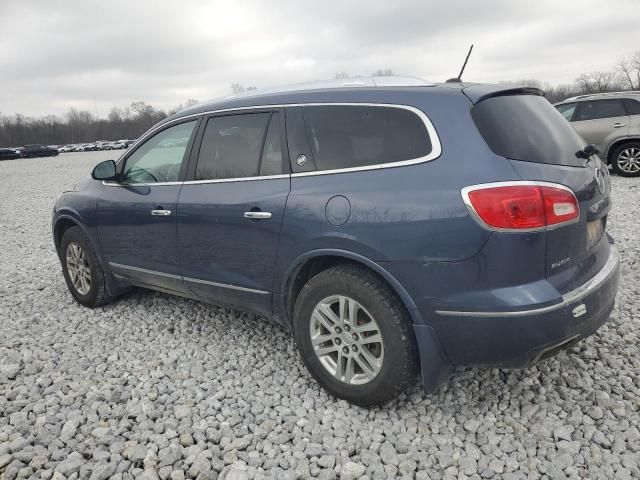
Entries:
{"x":30,"y":151}
{"x":610,"y":121}
{"x":126,"y":143}
{"x":84,"y":147}
{"x":392,"y":229}
{"x":66,"y":148}
{"x":8,"y":154}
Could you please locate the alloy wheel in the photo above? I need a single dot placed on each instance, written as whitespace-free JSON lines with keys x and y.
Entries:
{"x":78,"y":268}
{"x":629,"y":160}
{"x":347,"y":340}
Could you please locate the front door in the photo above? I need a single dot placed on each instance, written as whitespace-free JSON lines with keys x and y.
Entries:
{"x":137,"y":214}
{"x":231,"y":208}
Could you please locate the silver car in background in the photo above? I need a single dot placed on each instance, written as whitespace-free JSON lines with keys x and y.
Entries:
{"x":610,"y":121}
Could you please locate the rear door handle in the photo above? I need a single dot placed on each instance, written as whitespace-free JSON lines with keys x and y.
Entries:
{"x":257,"y":215}
{"x":618,"y":125}
{"x":161,"y":213}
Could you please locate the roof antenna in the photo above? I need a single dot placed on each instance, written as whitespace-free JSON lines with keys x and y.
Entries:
{"x":458,"y":79}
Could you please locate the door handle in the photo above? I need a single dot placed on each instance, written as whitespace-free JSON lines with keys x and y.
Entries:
{"x":161,"y":213}
{"x":257,"y":215}
{"x":618,"y":125}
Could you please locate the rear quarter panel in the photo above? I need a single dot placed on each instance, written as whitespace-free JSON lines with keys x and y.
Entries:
{"x":401,"y":214}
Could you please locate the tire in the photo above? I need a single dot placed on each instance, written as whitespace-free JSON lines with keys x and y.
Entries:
{"x":96,"y":293}
{"x":625,"y":160}
{"x":396,"y":354}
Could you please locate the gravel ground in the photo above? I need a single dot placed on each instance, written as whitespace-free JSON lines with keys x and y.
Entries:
{"x":153,"y":386}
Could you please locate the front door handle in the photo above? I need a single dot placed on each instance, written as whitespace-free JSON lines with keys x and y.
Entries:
{"x":618,"y":125}
{"x":161,"y":213}
{"x":257,"y":215}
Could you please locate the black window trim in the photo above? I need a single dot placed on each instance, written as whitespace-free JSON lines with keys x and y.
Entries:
{"x":436,"y":147}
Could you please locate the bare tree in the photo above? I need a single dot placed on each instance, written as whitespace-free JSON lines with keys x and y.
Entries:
{"x":596,"y":82}
{"x":628,"y":69}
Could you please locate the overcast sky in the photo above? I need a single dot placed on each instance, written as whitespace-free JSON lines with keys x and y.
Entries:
{"x":94,"y":54}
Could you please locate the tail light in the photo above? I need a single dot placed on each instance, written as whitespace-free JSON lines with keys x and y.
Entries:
{"x":521,"y":205}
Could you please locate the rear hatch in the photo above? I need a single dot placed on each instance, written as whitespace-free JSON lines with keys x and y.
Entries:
{"x":523,"y":127}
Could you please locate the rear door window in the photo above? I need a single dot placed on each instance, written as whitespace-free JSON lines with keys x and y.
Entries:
{"x":632,"y":106}
{"x":348,"y":136}
{"x":593,"y":110}
{"x":527,"y":127}
{"x":240,"y":146}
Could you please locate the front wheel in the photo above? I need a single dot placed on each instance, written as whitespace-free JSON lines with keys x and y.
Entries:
{"x":626,"y":160}
{"x":82,"y":271}
{"x":355,"y":336}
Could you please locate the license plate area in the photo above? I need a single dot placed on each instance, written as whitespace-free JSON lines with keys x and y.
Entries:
{"x":595,"y":230}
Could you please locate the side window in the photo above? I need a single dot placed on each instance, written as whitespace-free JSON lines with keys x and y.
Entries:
{"x":567,"y":110}
{"x":600,"y":109}
{"x":632,"y":106}
{"x":238,"y":146}
{"x":344,"y":136}
{"x":159,"y":158}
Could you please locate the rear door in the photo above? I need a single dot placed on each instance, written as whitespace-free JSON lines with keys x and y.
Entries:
{"x":601,"y":121}
{"x":541,"y":146}
{"x":230,"y":210}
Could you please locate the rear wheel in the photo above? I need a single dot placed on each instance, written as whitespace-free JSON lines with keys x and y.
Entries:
{"x":626,"y":160}
{"x":82,"y":271}
{"x":355,"y":336}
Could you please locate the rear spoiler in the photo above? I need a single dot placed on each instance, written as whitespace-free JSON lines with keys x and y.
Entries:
{"x":477,"y":93}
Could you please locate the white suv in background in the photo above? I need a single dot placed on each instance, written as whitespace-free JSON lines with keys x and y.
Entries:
{"x":610,"y":121}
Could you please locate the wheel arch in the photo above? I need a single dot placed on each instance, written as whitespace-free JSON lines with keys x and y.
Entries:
{"x":63,"y":223}
{"x":67,"y":220}
{"x":618,"y":143}
{"x":311,"y":263}
{"x":434,"y":364}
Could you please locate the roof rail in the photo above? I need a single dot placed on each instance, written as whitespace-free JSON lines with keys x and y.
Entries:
{"x":355,"y":82}
{"x":603,"y":94}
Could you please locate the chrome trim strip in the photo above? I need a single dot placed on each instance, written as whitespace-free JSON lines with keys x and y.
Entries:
{"x":242,"y":179}
{"x":224,"y":285}
{"x":570,"y":297}
{"x":196,"y":182}
{"x":186,"y":279}
{"x":144,"y":270}
{"x":436,"y":146}
{"x":514,"y":183}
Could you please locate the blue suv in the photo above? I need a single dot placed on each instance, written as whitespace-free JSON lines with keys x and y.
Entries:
{"x":394,"y":226}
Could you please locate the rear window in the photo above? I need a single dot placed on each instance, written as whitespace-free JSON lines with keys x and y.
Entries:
{"x":527,"y":127}
{"x":345,"y":136}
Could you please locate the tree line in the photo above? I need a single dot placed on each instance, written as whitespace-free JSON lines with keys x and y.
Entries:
{"x":81,"y":126}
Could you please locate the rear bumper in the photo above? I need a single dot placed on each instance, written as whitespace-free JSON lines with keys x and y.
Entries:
{"x":517,"y":338}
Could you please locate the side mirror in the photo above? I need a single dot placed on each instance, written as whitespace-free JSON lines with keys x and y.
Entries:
{"x":104,"y":170}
